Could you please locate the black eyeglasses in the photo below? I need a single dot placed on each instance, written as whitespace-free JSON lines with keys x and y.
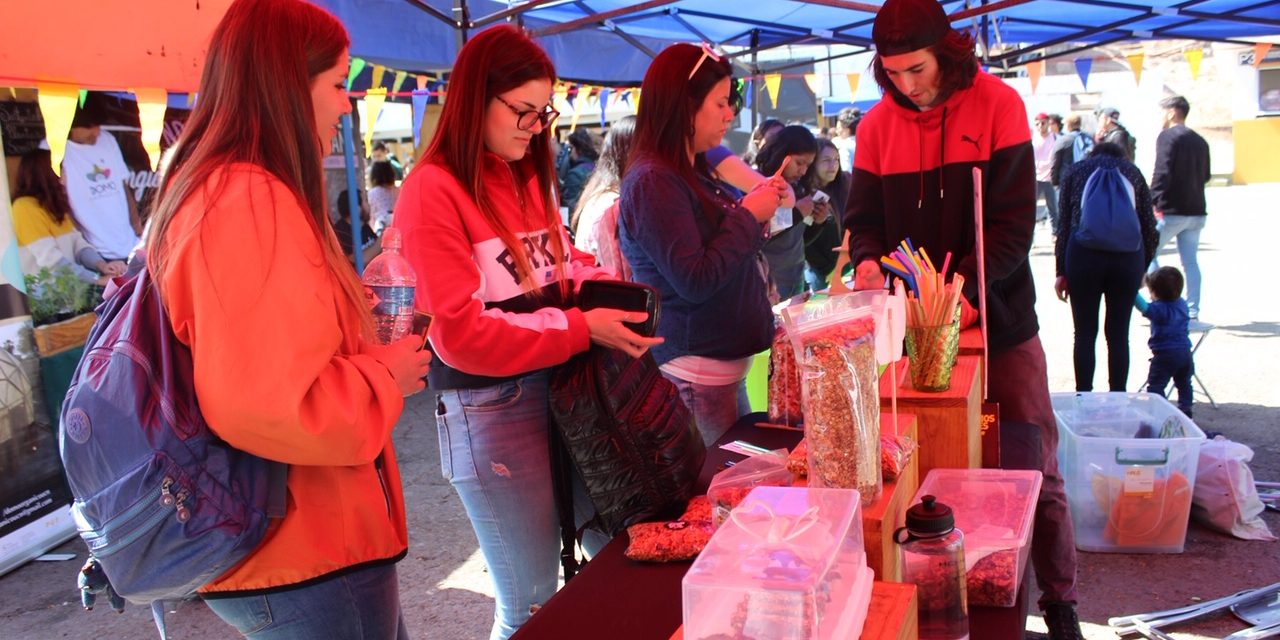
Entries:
{"x":526,"y":118}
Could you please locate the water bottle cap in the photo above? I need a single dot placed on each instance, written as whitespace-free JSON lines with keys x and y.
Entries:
{"x":391,"y":239}
{"x":930,"y":517}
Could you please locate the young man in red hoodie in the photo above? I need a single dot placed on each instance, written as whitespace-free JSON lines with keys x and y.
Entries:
{"x":912,"y":178}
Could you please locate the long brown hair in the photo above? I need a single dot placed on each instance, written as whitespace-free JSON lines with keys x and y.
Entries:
{"x":495,"y":61}
{"x":664,"y":126}
{"x":255,"y":107}
{"x":36,"y":179}
{"x":607,"y":176}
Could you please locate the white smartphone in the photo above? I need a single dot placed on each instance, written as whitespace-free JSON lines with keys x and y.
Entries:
{"x":820,"y":197}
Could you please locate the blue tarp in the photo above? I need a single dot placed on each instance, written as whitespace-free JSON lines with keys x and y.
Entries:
{"x":611,"y":47}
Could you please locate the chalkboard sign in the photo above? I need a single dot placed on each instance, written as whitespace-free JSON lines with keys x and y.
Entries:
{"x":22,"y":126}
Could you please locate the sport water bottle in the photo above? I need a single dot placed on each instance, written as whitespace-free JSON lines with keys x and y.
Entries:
{"x":389,"y":284}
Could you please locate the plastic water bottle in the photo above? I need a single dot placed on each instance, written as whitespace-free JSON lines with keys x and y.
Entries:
{"x":389,"y":284}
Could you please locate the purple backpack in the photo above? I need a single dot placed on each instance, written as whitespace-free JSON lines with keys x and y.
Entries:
{"x":164,"y":505}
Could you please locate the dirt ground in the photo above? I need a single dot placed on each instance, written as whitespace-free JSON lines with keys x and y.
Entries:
{"x":446,"y":593}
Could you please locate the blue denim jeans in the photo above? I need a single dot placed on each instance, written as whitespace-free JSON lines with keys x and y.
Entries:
{"x":494,"y":450}
{"x":1178,"y":365}
{"x":361,"y":605}
{"x":1186,"y":229}
{"x":714,"y":407}
{"x":1050,"y":194}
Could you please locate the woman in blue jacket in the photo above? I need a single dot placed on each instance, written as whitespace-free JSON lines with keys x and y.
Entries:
{"x":695,"y":243}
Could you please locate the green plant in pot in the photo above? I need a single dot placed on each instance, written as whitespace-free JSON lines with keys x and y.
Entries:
{"x":57,"y":294}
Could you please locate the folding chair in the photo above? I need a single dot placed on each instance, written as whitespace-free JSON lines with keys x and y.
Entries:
{"x":1203,"y":328}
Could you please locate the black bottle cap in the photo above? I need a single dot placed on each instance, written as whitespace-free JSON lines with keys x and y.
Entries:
{"x":930,"y":517}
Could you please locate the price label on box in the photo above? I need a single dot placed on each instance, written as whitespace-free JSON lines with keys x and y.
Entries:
{"x":1140,"y":481}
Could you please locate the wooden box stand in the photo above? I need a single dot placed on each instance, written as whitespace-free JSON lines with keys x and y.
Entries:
{"x":893,"y":614}
{"x":881,"y":519}
{"x":60,"y":336}
{"x":950,"y":422}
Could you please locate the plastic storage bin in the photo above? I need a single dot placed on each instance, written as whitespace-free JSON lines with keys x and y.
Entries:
{"x":995,"y":509}
{"x":788,"y":565}
{"x":1129,"y":463}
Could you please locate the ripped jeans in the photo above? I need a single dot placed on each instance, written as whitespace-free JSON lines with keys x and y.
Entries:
{"x":494,"y":450}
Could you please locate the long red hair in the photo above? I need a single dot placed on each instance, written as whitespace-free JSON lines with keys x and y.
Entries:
{"x":255,"y":107}
{"x":495,"y":61}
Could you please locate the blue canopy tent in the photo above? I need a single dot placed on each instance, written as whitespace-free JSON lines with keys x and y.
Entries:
{"x":597,"y":40}
{"x":611,"y":41}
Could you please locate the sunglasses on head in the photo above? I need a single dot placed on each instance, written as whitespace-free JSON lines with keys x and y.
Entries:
{"x":707,"y":52}
{"x":525,"y":118}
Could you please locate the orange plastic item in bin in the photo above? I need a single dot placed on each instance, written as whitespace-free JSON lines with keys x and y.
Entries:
{"x":1156,"y":519}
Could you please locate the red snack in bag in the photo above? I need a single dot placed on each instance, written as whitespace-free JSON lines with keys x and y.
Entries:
{"x":895,"y":453}
{"x":668,"y":541}
{"x":784,"y":382}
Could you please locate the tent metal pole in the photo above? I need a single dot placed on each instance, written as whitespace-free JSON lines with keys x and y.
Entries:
{"x":422,"y":5}
{"x":827,"y":59}
{"x":598,"y":18}
{"x":462,"y":17}
{"x":755,"y":73}
{"x":515,"y":11}
{"x":1075,"y":37}
{"x":353,"y":191}
{"x":984,"y":9}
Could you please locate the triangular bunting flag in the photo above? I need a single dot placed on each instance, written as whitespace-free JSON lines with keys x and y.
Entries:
{"x":152,"y":104}
{"x":1135,"y":63}
{"x":373,"y":100}
{"x":1260,"y":52}
{"x":854,"y":79}
{"x":625,"y":96}
{"x":58,"y":106}
{"x":419,"y":99}
{"x":1194,"y":56}
{"x":399,"y":82}
{"x":379,"y":72}
{"x":604,"y":106}
{"x":593,"y":94}
{"x":577,"y":112}
{"x":357,"y":65}
{"x":772,"y":84}
{"x":572,"y":95}
{"x":1083,"y":66}
{"x":191,"y":100}
{"x":811,"y":79}
{"x":422,"y":82}
{"x":750,"y":94}
{"x":84,"y":95}
{"x":637,"y":94}
{"x":1034,"y":71}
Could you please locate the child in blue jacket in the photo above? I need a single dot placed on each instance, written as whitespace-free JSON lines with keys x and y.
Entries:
{"x":1170,"y":335}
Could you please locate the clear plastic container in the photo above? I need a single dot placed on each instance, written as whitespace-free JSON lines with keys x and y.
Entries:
{"x":788,"y":565}
{"x":996,"y":510}
{"x":389,"y":286}
{"x":1129,"y":463}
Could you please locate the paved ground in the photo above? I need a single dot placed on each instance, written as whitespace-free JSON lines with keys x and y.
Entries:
{"x":446,"y":592}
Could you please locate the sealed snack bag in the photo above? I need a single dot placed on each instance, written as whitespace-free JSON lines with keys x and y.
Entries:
{"x":784,"y":382}
{"x":730,"y":486}
{"x":835,"y":351}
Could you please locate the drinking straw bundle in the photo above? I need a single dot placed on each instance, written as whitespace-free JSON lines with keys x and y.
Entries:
{"x":932,"y":301}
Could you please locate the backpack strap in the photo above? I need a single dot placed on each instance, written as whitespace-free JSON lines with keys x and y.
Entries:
{"x":562,"y":488}
{"x":157,"y":614}
{"x":278,"y":490}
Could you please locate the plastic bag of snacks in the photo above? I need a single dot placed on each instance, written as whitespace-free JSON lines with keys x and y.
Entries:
{"x":895,"y":453}
{"x":730,"y":486}
{"x":835,"y":351}
{"x":784,"y":382}
{"x":680,"y":539}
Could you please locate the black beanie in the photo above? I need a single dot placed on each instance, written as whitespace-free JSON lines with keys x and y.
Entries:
{"x":903,"y":26}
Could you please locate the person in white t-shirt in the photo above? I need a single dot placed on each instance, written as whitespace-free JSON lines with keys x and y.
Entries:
{"x":96,"y":176}
{"x":845,"y":141}
{"x":1043,"y":147}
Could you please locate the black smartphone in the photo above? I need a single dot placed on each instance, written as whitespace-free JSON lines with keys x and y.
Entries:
{"x":628,"y":296}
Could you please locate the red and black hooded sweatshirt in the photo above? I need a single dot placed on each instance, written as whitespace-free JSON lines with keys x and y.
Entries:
{"x":913,"y":178}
